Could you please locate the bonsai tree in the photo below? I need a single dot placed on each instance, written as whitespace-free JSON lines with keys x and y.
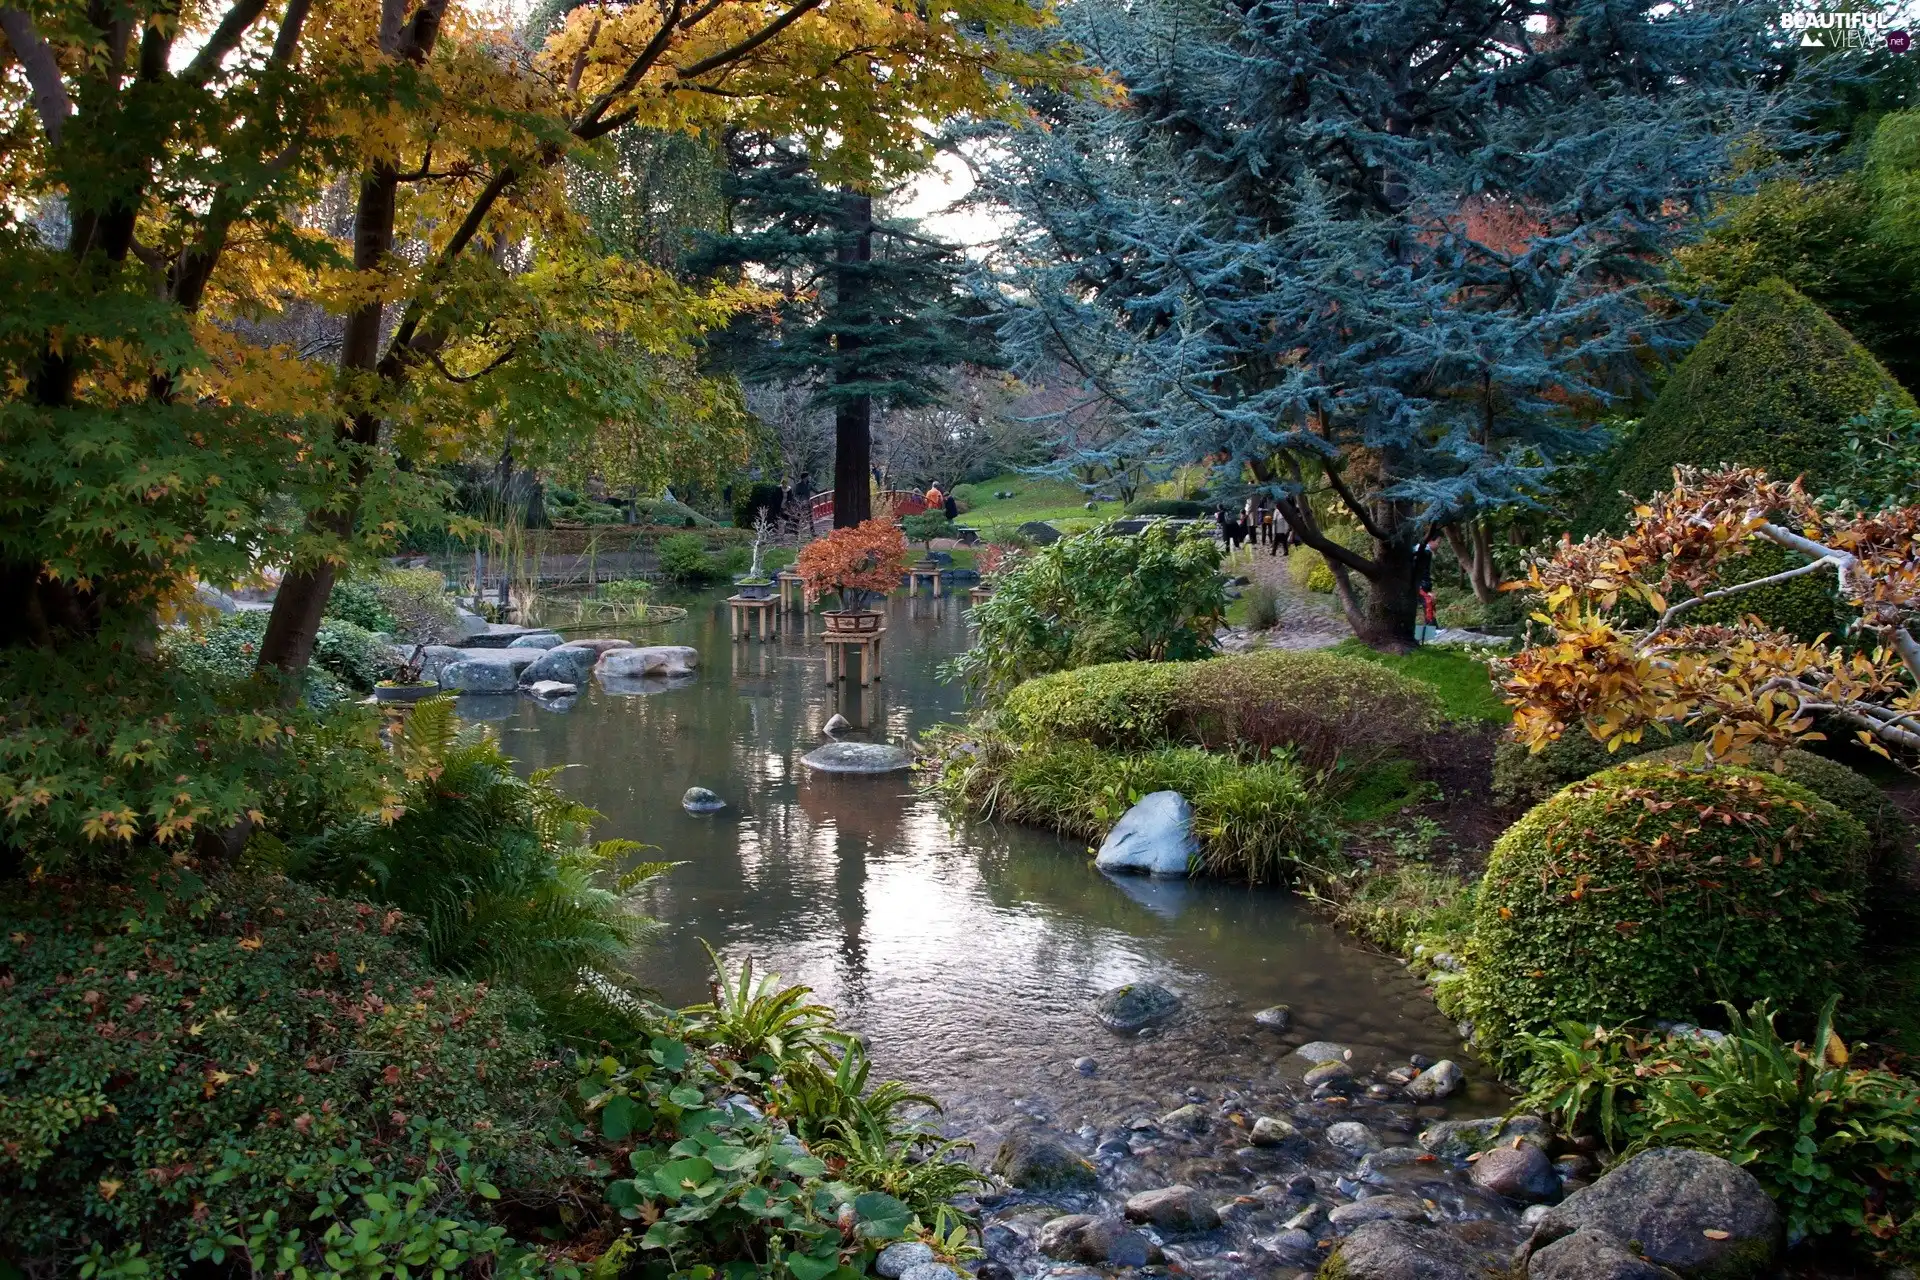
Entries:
{"x":928,"y":525}
{"x":994,"y":557}
{"x":756,"y":574}
{"x":860,"y":564}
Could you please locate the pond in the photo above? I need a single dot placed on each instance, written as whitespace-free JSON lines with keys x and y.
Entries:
{"x":967,"y":953}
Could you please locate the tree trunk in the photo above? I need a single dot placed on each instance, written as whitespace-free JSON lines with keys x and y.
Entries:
{"x":1473,"y":549}
{"x":1387,"y":618}
{"x":853,"y":417}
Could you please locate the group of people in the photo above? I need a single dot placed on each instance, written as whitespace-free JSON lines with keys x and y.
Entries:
{"x":1257,"y":523}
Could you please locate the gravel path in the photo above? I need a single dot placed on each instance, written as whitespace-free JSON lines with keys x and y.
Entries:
{"x":1308,"y":620}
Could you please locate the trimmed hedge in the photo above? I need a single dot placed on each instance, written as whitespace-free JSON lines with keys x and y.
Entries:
{"x":1652,"y":891}
{"x":1805,"y":608}
{"x":1327,"y":707}
{"x":1523,"y":778}
{"x":1770,"y":386}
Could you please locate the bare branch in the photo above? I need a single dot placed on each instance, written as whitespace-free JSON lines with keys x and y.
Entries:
{"x":589,"y":124}
{"x":50,"y":98}
{"x":735,"y":52}
{"x":493,"y":364}
{"x":225,"y":39}
{"x":1353,"y":504}
{"x":1741,"y":588}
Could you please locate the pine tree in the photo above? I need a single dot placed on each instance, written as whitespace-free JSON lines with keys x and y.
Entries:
{"x":1383,"y":256}
{"x":868,"y":313}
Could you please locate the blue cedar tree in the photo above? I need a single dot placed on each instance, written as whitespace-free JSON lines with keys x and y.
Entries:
{"x":1389,"y":252}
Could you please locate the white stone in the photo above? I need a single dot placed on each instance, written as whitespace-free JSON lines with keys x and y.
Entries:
{"x":1154,"y":837}
{"x":651,"y":660}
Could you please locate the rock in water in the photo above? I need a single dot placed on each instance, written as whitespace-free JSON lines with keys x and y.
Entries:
{"x":571,"y":663}
{"x":1081,"y":1237}
{"x":1275,"y":1017}
{"x":1458,"y":1139}
{"x":1591,"y":1255}
{"x":1137,"y":1005}
{"x":1520,"y":1172}
{"x":857,"y":757}
{"x":1394,"y":1250}
{"x":1437,"y":1081}
{"x":701,"y":800}
{"x":653,"y":660}
{"x":1327,"y":1073}
{"x":1352,"y":1137}
{"x":1186,"y":1121}
{"x":552,"y":689}
{"x":537,"y":640}
{"x":598,"y":644}
{"x":836,"y":723}
{"x":1154,"y":837}
{"x":1032,"y":1160}
{"x":479,"y":675}
{"x":1270,"y":1132}
{"x":896,"y":1258}
{"x":1388,"y":1208}
{"x":1315,"y":1052}
{"x":1177,"y":1208}
{"x":1688,"y":1211}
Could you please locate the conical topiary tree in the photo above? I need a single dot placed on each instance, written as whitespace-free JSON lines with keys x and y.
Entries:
{"x":1770,"y":386}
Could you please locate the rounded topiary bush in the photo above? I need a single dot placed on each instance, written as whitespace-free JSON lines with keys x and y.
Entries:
{"x":1654,"y":891}
{"x":1525,"y":777}
{"x":1127,"y":705}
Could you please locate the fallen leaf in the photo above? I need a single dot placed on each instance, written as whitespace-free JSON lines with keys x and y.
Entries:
{"x":109,"y":1188}
{"x":1714,"y":1233}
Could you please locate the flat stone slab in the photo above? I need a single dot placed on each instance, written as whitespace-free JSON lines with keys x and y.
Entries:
{"x":857,"y":757}
{"x":652,"y":660}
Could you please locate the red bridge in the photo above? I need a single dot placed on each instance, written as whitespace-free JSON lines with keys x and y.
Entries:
{"x":905,"y":503}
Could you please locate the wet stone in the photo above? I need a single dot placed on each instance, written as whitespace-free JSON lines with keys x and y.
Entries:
{"x":896,"y":1258}
{"x":1269,"y":1132}
{"x":1318,"y":1051}
{"x":1135,"y":1007}
{"x":857,"y":757}
{"x":1520,"y":1172}
{"x":1177,"y":1208}
{"x":1275,"y":1017}
{"x":1353,"y":1138}
{"x":1190,"y":1119}
{"x":701,"y":800}
{"x":1437,"y":1081}
{"x":1377,"y":1209}
{"x":1328,"y":1073}
{"x":1085,"y":1066}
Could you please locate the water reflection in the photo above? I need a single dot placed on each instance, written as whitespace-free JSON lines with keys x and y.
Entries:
{"x":968,"y":954}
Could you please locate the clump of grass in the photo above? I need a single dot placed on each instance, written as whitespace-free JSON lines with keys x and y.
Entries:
{"x":1401,"y":908}
{"x":1262,"y":603}
{"x":1460,"y":677}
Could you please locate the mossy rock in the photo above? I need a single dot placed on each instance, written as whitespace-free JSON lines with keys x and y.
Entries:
{"x":1769,"y":386}
{"x":1654,"y":891}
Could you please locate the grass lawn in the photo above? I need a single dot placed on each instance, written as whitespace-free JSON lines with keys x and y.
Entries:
{"x":1034,"y":498}
{"x":1462,"y":680}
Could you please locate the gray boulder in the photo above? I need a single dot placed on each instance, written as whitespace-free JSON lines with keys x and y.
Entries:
{"x":1327,"y":1073}
{"x":897,"y":1257}
{"x":930,"y":1271}
{"x":598,"y":644}
{"x":1352,"y":1137}
{"x":1081,"y":1237}
{"x":1039,"y":533}
{"x":465,"y":626}
{"x":1033,"y":1160}
{"x":1154,"y":837}
{"x":1591,"y":1255}
{"x":435,"y":656}
{"x":537,"y":640}
{"x":215,"y":598}
{"x":1396,"y":1250}
{"x":1521,"y":1172}
{"x":1458,"y":1139}
{"x":1175,"y":1208}
{"x":552,"y":689}
{"x":566,"y":662}
{"x":1666,"y":1202}
{"x":1437,"y":1081}
{"x":1276,"y":1017}
{"x":1138,"y":1004}
{"x":652,"y":660}
{"x":1390,"y":1208}
{"x":701,"y":800}
{"x":857,"y":757}
{"x":479,"y":675}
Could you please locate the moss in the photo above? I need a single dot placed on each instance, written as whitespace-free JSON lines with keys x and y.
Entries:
{"x":1463,"y":681}
{"x":1769,"y":386}
{"x":1651,"y":891}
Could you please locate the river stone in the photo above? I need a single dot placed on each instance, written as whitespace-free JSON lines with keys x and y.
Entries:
{"x":1352,"y":1137}
{"x":598,"y":644}
{"x":701,"y":800}
{"x":1154,"y":837}
{"x":1175,"y":1208}
{"x":857,"y":757}
{"x":1394,"y":1250}
{"x":1458,"y":1139}
{"x":1437,"y":1081}
{"x":1377,"y":1209}
{"x":1294,"y":1241}
{"x":552,"y":689}
{"x":479,"y":675}
{"x":1269,"y":1132}
{"x":1591,"y":1255}
{"x":537,"y":640}
{"x":651,"y":660}
{"x":1665,"y":1201}
{"x":1033,"y":1160}
{"x":1318,"y":1051}
{"x":930,"y":1271}
{"x":1275,"y":1017}
{"x":836,"y":723}
{"x":1327,"y":1072}
{"x":1187,"y":1120}
{"x":1081,"y":1237}
{"x":571,"y":663}
{"x":1520,"y":1172}
{"x":1134,"y":1006}
{"x":465,"y":626}
{"x":897,"y":1257}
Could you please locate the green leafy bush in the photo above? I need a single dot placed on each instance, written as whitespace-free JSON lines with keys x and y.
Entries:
{"x":1308,"y":568}
{"x":1838,"y":1147}
{"x":357,"y":600}
{"x":195,"y":1070}
{"x":1260,"y":821}
{"x":1176,"y":508}
{"x":352,"y":656}
{"x":1652,"y":891}
{"x":1523,"y":778}
{"x":1805,"y":608}
{"x":1096,"y":597}
{"x":1326,"y":708}
{"x":418,"y":602}
{"x":927,"y":526}
{"x":759,"y":497}
{"x":625,"y":590}
{"x":683,"y":558}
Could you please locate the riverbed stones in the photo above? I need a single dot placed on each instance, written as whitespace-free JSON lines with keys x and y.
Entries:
{"x":552,"y":689}
{"x":836,"y":723}
{"x":1177,"y":1209}
{"x":1155,"y":837}
{"x":1353,"y":1138}
{"x":1591,"y":1255}
{"x":1437,"y":1081}
{"x":1315,"y":1052}
{"x":1032,"y":1159}
{"x":1519,"y":1172}
{"x":537,"y":640}
{"x":1135,"y":1006}
{"x":857,"y":757}
{"x":572,"y":663}
{"x":648,"y":660}
{"x":1328,"y":1073}
{"x":1693,"y":1213}
{"x":1081,"y":1237}
{"x":1396,"y":1250}
{"x":1458,"y":1139}
{"x":1269,"y":1131}
{"x":1186,"y":1121}
{"x":1276,"y":1017}
{"x":701,"y":800}
{"x":1085,"y":1066}
{"x":479,"y":675}
{"x":1388,"y":1208}
{"x":897,"y":1257}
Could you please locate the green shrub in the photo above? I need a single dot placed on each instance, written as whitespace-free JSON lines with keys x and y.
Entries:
{"x":760,"y":497}
{"x":417,"y":601}
{"x":1838,"y":1147}
{"x":1523,"y":778}
{"x":1096,"y":597}
{"x":625,"y":590}
{"x":683,"y":558}
{"x":1174,"y":508}
{"x":1262,"y":605}
{"x":1805,"y":608}
{"x":1308,"y":568}
{"x":1652,"y":892}
{"x":1772,"y":385}
{"x":1260,"y":821}
{"x":357,"y":600}
{"x":187,"y":1067}
{"x":1127,"y":705}
{"x":227,"y":650}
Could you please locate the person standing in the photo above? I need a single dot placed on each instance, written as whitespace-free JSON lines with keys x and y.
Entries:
{"x":952,"y":507}
{"x":936,"y":501}
{"x":1423,"y":576}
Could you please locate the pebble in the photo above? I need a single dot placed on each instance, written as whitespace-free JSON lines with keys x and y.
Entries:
{"x":1377,"y":1209}
{"x":1352,"y":1137}
{"x":1305,"y":1220}
{"x":1327,"y":1073}
{"x":1269,"y":1132}
{"x":1294,"y":1241}
{"x":895,"y":1259}
{"x":1190,"y":1119}
{"x":1275,"y":1017}
{"x":1176,"y":1208}
{"x":1323,"y":1051}
{"x":1085,"y":1066}
{"x":1437,"y":1081}
{"x":1420,"y":1061}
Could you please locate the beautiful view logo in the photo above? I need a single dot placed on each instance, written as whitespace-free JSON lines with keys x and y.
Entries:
{"x":1844,"y":29}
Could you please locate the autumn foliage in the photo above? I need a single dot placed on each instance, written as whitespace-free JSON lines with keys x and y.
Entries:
{"x":860,"y":564}
{"x":1621,"y":654}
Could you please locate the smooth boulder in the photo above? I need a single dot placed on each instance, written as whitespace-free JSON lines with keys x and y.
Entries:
{"x":857,"y":757}
{"x":896,"y":1258}
{"x":1154,"y":837}
{"x":564,"y":662}
{"x":479,"y":675}
{"x":537,"y":640}
{"x":651,"y":660}
{"x":1388,"y":1208}
{"x":1591,"y":1255}
{"x":552,"y":689}
{"x":1033,"y":1160}
{"x":1519,"y":1172}
{"x":1392,"y":1249}
{"x":1277,"y":1017}
{"x":1135,"y":1006}
{"x":1176,"y":1208}
{"x":701,"y":800}
{"x":599,"y":644}
{"x":1081,"y":1237}
{"x":1458,"y":1139}
{"x":1437,"y":1081}
{"x":1666,"y":1202}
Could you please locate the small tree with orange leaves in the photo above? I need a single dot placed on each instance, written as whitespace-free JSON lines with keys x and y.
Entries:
{"x":861,"y":564}
{"x":1609,"y":668}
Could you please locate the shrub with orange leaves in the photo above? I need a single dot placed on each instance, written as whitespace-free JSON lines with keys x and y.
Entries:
{"x":861,"y":564}
{"x":994,"y":557}
{"x":1620,"y":655}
